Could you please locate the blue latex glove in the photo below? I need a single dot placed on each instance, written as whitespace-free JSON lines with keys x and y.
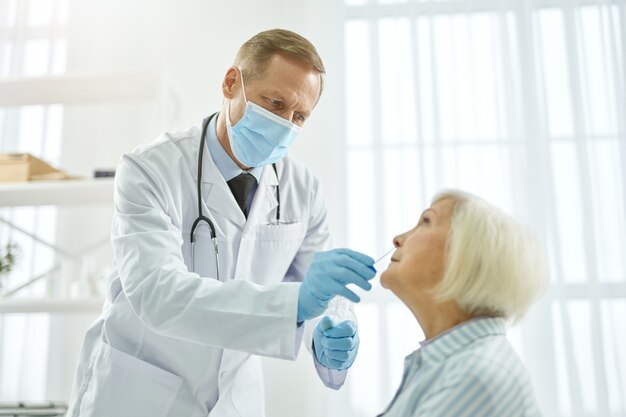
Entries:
{"x":335,"y":347}
{"x":328,"y":276}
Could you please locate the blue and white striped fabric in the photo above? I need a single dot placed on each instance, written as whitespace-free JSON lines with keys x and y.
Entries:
{"x":469,"y":371}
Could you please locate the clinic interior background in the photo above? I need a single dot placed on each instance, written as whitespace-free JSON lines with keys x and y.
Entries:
{"x":519,"y":101}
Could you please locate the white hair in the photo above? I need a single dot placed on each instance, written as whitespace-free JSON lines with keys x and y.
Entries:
{"x":495,"y":265}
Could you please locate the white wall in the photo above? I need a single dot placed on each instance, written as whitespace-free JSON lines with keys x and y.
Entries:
{"x":193,"y":42}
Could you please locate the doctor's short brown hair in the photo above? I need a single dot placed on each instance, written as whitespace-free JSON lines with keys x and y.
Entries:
{"x":254,"y":54}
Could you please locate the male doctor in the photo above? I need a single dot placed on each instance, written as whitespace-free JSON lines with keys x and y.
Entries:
{"x":217,"y":237}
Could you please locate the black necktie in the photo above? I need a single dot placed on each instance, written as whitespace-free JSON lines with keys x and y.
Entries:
{"x":240,"y":186}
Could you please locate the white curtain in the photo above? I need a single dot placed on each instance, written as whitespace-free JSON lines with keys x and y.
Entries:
{"x":521,"y":102}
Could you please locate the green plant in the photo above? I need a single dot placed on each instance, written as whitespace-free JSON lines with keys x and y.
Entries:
{"x":8,"y":256}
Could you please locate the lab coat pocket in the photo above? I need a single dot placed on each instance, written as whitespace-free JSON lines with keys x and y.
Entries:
{"x":280,"y":232}
{"x":125,"y":386}
{"x":266,"y":256}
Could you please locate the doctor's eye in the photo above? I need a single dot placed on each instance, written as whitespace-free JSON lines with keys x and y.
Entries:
{"x":299,"y":118}
{"x":274,"y":103}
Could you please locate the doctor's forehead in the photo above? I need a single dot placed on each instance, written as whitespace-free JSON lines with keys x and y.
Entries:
{"x":290,"y":71}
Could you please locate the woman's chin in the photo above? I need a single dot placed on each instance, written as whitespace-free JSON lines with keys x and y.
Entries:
{"x":387,"y":276}
{"x":384,"y":280}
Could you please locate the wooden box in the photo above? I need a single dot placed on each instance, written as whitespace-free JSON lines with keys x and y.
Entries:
{"x":15,"y":167}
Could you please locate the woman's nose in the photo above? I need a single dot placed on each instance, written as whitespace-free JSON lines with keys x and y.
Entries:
{"x":397,"y":241}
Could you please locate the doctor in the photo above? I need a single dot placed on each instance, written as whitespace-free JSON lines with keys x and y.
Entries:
{"x":217,"y":238}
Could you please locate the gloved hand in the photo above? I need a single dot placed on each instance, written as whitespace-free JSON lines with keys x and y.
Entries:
{"x":335,"y":347}
{"x":328,"y":276}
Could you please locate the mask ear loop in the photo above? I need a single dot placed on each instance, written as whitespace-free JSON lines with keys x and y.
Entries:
{"x":243,"y":87}
{"x":245,"y":99}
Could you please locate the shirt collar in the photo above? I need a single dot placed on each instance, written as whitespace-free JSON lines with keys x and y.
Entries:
{"x":439,"y":348}
{"x":227,"y":167}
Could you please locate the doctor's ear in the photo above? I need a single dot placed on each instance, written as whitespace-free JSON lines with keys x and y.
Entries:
{"x":231,"y":82}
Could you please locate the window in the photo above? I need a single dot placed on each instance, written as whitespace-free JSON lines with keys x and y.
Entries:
{"x":32,"y":44}
{"x":522,"y":103}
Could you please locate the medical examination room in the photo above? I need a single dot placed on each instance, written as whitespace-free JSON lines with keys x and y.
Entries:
{"x":350,"y":208}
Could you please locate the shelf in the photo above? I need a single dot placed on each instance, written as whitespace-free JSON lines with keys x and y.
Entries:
{"x":57,"y":193}
{"x":32,"y":408}
{"x":48,"y":305}
{"x":81,"y":89}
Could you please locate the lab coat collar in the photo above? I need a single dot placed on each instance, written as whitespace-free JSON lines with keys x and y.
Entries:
{"x":219,"y":200}
{"x":264,"y":201}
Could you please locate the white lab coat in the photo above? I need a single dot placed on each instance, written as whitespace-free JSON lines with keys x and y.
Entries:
{"x":173,"y":342}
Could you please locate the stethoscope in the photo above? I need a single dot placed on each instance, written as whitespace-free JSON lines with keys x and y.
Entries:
{"x":201,"y":217}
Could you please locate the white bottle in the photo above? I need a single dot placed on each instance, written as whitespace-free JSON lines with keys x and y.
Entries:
{"x":340,"y":309}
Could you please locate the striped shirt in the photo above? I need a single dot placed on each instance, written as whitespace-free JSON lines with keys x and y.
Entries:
{"x":469,"y":371}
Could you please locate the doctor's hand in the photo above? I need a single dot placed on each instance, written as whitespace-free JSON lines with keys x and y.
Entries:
{"x":328,"y":276}
{"x":335,"y":347}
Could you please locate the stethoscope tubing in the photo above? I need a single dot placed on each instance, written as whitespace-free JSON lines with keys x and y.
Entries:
{"x":201,"y":217}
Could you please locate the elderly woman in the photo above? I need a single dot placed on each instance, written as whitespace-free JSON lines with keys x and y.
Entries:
{"x":465,"y":271}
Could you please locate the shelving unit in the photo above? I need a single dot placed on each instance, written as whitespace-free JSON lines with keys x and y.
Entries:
{"x":85,"y":88}
{"x":81,"y":89}
{"x":76,"y":90}
{"x":48,"y":305}
{"x":57,"y":193}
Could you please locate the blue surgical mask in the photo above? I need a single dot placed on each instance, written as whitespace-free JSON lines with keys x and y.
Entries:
{"x":260,"y":137}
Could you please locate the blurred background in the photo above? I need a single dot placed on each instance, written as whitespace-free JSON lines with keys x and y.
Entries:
{"x":522,"y":102}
